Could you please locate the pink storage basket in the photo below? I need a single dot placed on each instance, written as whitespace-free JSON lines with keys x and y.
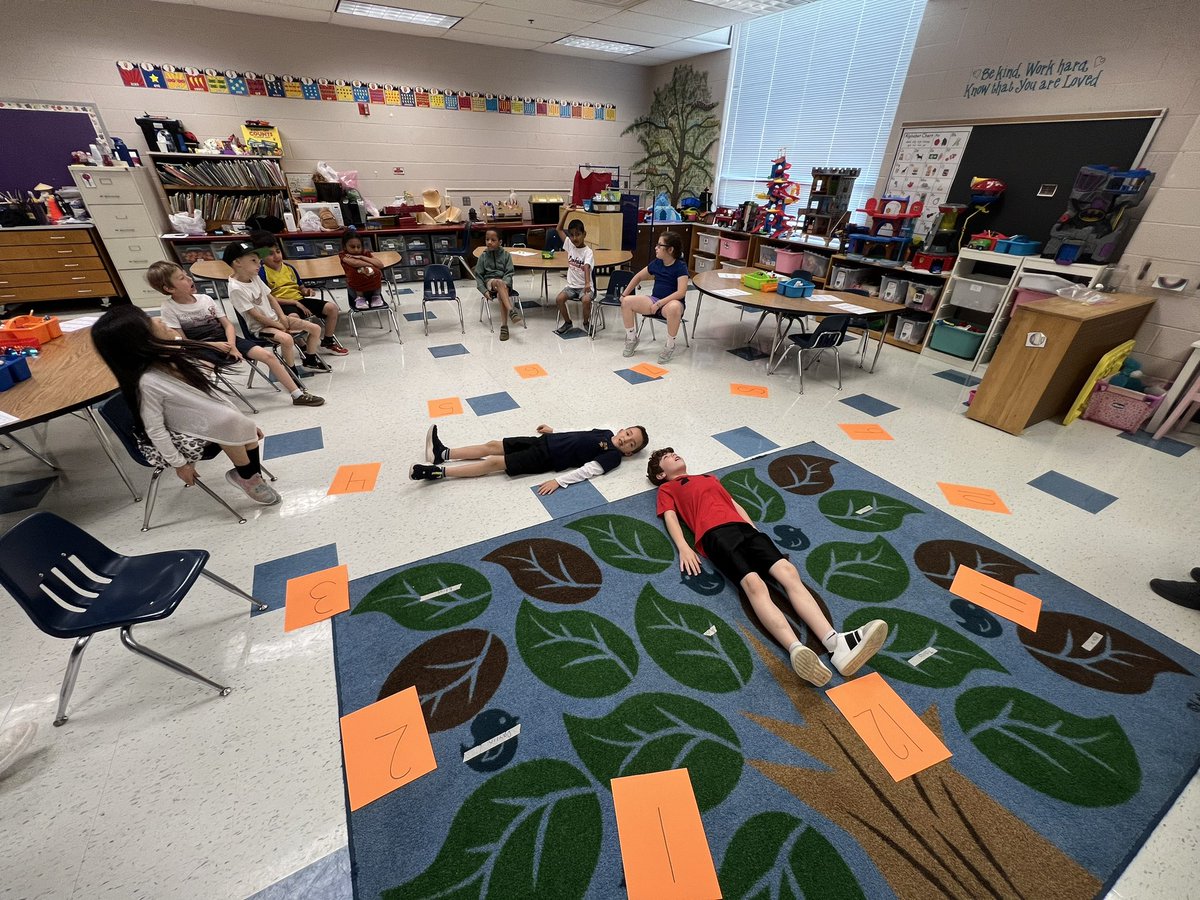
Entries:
{"x":1021,"y":296}
{"x":788,"y":261}
{"x":731,"y":249}
{"x":1120,"y":408}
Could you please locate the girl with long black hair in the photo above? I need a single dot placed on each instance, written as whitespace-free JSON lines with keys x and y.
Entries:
{"x":166,"y":382}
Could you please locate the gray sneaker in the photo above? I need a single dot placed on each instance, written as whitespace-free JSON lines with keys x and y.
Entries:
{"x":254,"y":488}
{"x":666,"y":354}
{"x":307,"y":399}
{"x":630,"y":346}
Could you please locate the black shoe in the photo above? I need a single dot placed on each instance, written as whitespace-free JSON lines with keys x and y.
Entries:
{"x":312,"y":361}
{"x":564,"y":328}
{"x":1196,"y":574}
{"x":299,"y":372}
{"x":435,"y":450}
{"x":427,"y":473}
{"x":1183,"y":593}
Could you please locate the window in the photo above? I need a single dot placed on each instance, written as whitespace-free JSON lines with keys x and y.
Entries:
{"x":822,"y":81}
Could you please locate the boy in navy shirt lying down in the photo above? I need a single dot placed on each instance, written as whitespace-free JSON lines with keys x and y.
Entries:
{"x":586,"y":453}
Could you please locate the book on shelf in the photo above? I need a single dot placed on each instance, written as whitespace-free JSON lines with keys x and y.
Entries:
{"x":229,"y":207}
{"x":228,"y":171}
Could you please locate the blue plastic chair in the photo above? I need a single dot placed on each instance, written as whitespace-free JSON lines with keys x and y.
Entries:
{"x":439,"y":285}
{"x":829,"y":334}
{"x":72,"y":586}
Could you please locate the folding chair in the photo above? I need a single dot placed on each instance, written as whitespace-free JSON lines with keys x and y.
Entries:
{"x":439,"y":285}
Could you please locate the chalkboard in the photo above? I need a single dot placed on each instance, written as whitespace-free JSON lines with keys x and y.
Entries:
{"x":1027,"y":155}
{"x":40,"y":142}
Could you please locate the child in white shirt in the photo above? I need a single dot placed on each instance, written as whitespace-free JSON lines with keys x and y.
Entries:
{"x":580,"y":260}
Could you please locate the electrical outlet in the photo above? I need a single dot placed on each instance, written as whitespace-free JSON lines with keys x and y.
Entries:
{"x":466,"y":201}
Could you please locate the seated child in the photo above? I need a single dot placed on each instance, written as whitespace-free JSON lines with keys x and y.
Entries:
{"x":198,"y":317}
{"x":293,"y":296}
{"x":670,"y":274}
{"x":264,"y":317}
{"x":746,"y":556}
{"x":176,"y":410}
{"x":579,"y":273}
{"x":493,"y":278}
{"x":364,"y":274}
{"x":586,"y":453}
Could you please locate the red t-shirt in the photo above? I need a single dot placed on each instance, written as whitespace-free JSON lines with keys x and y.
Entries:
{"x":701,"y":501}
{"x":359,"y":281}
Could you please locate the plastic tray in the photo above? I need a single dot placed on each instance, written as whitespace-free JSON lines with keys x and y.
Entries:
{"x":42,"y":330}
{"x":796,"y":288}
{"x":761,"y":281}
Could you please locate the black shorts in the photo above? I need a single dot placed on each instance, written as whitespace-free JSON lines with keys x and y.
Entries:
{"x":737,"y":549}
{"x":244,"y":346}
{"x":527,"y":455}
{"x":314,"y":306}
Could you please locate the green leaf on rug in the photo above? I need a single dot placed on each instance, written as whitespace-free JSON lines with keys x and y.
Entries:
{"x":868,"y":573}
{"x":400,"y":596}
{"x":673,"y":635}
{"x":1087,"y":762}
{"x":533,"y":831}
{"x":799,"y":473}
{"x":656,"y":732}
{"x":576,"y":652}
{"x":761,"y":501}
{"x":881,"y":513}
{"x":776,"y":855}
{"x":939,"y":561}
{"x":549,"y":570}
{"x":908,"y":634}
{"x":627,"y":543}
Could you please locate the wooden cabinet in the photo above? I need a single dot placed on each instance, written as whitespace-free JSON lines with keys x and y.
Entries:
{"x":603,"y":229}
{"x":49,"y":263}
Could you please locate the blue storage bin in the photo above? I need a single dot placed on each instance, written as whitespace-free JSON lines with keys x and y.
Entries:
{"x":796,"y":288}
{"x":6,"y":379}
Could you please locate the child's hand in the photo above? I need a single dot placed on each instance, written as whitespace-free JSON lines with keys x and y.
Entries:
{"x":689,"y":562}
{"x":224,"y":346}
{"x":186,"y":473}
{"x":545,"y":429}
{"x":548,"y":487}
{"x":306,"y":291}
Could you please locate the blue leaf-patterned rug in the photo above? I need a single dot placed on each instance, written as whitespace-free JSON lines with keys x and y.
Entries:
{"x":1068,"y":744}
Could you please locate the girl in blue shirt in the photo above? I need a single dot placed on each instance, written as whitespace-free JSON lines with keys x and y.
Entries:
{"x":670,"y":274}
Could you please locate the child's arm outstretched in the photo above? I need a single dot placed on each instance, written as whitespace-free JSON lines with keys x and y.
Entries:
{"x":689,"y":562}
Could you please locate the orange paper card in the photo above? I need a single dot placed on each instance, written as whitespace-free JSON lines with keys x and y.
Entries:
{"x":316,"y":596}
{"x":649,"y":370}
{"x":867,"y":432}
{"x":749,"y":390}
{"x":663,"y":846}
{"x":995,"y":596}
{"x":385,"y":745}
{"x":447,"y":406}
{"x":355,"y":479}
{"x":974,"y":497}
{"x":892,"y":731}
{"x":532,"y":370}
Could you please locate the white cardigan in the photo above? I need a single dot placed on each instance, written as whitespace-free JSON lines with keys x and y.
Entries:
{"x":168,"y":403}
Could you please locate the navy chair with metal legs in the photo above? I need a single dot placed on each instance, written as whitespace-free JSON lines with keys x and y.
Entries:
{"x":439,"y":285}
{"x":72,"y":587}
{"x":828,"y":335}
{"x":617,"y":282}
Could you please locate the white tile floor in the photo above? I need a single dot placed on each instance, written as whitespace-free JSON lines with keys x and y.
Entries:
{"x":157,"y":788}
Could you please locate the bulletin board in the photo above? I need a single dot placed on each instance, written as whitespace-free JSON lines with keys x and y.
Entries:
{"x":1030,"y":153}
{"x":48,"y":131}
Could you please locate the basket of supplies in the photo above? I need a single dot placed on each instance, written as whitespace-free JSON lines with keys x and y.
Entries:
{"x":796,"y":288}
{"x":13,"y":368}
{"x":37,"y":328}
{"x":761,"y":281}
{"x":1120,"y":407}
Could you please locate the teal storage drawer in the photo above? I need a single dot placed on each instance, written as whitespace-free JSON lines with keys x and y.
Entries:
{"x":955,"y":339}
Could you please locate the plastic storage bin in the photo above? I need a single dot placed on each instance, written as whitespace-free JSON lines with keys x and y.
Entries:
{"x":789,"y":261}
{"x":390,"y":242}
{"x":761,"y":281}
{"x":704,"y":263}
{"x":1021,"y":296}
{"x":31,"y":328}
{"x":1119,"y":407}
{"x":980,"y":295}
{"x":956,"y":339}
{"x":816,"y":263}
{"x":796,"y":288}
{"x":708,"y":243}
{"x":444,"y":242}
{"x":1018,"y":245}
{"x":734,"y":249}
{"x":418,"y":243}
{"x":893,"y":289}
{"x":767,"y":256}
{"x":910,"y":330}
{"x":294,"y":248}
{"x":843,"y":279}
{"x":923,"y":296}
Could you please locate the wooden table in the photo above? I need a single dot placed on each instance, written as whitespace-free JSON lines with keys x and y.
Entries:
{"x":1024,"y":385}
{"x":68,"y":376}
{"x":602,"y":259}
{"x":778,"y":305}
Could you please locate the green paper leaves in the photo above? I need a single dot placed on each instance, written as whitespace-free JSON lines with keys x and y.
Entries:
{"x":908,"y":634}
{"x":627,"y":543}
{"x":775,"y":856}
{"x":1087,"y":762}
{"x":656,"y":732}
{"x":761,"y":501}
{"x":514,"y":837}
{"x":673,"y":635}
{"x":400,"y":596}
{"x":868,"y":573}
{"x":881,"y":513}
{"x":576,"y":652}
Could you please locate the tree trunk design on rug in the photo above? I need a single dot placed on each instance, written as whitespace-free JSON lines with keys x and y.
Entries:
{"x":935,"y":834}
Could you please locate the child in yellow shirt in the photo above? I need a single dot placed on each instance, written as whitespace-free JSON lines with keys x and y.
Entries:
{"x":292,"y":295}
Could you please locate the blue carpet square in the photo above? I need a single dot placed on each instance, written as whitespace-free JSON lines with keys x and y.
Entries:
{"x":271,"y":577}
{"x":635,"y":377}
{"x":748,"y":353}
{"x":1163,"y":444}
{"x":292,"y":442}
{"x":867,"y":404}
{"x":487,"y":404}
{"x":448,"y":350}
{"x":1071,"y":491}
{"x":24,"y":494}
{"x":745,"y":441}
{"x":417,"y":317}
{"x":575,"y":332}
{"x":328,"y":879}
{"x":405,"y":291}
{"x":531,"y":304}
{"x":573,"y":499}
{"x":958,"y":377}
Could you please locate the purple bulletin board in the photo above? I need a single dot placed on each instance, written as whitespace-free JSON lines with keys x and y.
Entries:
{"x":36,"y":143}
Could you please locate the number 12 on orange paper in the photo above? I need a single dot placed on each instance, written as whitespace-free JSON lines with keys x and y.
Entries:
{"x":892,"y":731}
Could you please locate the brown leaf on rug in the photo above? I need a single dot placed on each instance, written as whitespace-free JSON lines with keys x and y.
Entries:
{"x":549,"y":570}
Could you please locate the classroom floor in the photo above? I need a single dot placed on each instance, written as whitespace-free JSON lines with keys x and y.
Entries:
{"x":156,"y":787}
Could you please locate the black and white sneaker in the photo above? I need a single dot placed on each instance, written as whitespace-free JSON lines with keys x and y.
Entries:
{"x":435,"y":450}
{"x":854,"y":648}
{"x":427,"y":473}
{"x":312,"y":361}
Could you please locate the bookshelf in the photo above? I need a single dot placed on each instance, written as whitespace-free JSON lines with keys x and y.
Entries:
{"x":224,"y":189}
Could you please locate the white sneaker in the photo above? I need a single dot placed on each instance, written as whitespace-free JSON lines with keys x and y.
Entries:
{"x":666,"y":355}
{"x":13,"y":742}
{"x":854,"y":648}
{"x":254,"y":488}
{"x":630,"y":346}
{"x":808,"y":666}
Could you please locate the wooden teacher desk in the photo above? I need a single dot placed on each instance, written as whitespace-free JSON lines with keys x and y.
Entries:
{"x":1024,"y":385}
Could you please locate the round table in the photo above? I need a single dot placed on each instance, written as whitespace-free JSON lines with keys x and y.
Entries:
{"x":525,"y":258}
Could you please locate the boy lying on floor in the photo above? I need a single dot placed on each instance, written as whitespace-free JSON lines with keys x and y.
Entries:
{"x":745,"y":556}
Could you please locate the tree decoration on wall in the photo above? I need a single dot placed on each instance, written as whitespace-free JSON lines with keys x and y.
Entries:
{"x":677,"y":136}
